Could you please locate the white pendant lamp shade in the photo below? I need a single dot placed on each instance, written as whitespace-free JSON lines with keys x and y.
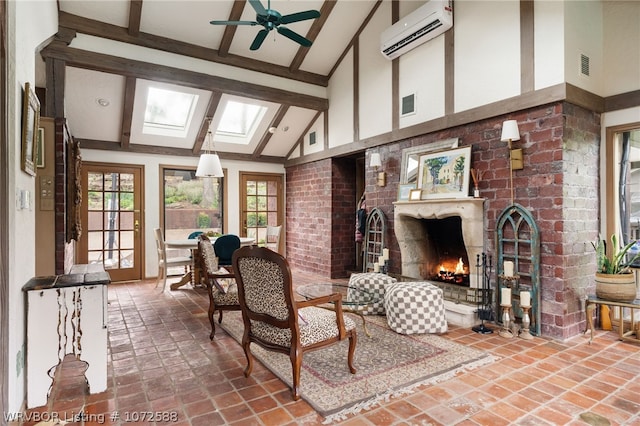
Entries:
{"x":209,"y":166}
{"x":510,"y":131}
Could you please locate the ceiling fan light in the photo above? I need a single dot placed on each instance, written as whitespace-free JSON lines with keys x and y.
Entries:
{"x":209,"y":166}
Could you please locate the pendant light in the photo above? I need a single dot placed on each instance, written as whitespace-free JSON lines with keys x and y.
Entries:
{"x":209,"y":163}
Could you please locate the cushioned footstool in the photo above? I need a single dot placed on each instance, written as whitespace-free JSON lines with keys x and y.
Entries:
{"x":373,"y":284}
{"x":415,"y":307}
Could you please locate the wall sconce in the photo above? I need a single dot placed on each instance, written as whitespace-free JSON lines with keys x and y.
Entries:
{"x":510,"y":133}
{"x":376,"y":163}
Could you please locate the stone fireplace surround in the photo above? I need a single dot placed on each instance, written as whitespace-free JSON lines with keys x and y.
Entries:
{"x":413,"y":243}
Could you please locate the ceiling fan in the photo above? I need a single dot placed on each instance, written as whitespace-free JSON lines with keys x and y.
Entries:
{"x":271,"y":19}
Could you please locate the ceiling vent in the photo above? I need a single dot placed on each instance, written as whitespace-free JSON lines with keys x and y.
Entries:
{"x":428,"y":21}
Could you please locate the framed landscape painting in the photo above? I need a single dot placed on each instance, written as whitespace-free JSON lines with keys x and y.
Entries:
{"x":445,"y":174}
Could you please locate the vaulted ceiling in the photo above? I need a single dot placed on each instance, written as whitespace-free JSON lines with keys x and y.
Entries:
{"x":111,"y":53}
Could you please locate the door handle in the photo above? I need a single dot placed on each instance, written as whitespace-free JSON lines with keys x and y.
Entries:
{"x":136,"y":225}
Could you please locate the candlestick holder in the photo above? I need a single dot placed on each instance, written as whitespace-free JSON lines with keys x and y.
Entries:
{"x":384,"y":268}
{"x":506,"y":322}
{"x":526,"y":323}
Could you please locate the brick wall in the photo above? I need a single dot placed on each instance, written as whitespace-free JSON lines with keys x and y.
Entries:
{"x":559,"y":185}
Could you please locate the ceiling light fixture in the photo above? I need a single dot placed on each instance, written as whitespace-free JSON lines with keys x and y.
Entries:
{"x":209,"y":163}
{"x":272,"y":129}
{"x":103,"y":102}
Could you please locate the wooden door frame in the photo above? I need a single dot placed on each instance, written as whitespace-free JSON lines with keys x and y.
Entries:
{"x":141,"y":192}
{"x":4,"y":214}
{"x":281,"y":204}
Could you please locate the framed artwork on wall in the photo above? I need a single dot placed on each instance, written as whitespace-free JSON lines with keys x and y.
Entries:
{"x":404,"y":189}
{"x":30,"y":126}
{"x":411,"y":158}
{"x":445,"y":174}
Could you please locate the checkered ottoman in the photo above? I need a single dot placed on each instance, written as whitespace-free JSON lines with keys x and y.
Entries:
{"x":414,"y":308}
{"x":372,"y":283}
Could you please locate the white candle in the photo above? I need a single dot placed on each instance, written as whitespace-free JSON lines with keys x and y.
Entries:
{"x":381,"y":260}
{"x":376,"y":267}
{"x":385,"y":254}
{"x":506,"y":296}
{"x":525,"y":298}
{"x":508,"y":268}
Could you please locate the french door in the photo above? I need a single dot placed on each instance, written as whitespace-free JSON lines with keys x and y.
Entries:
{"x":262,"y":204}
{"x":111,"y":218}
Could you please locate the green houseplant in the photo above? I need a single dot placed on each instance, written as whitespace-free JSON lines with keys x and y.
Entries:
{"x":615,"y":280}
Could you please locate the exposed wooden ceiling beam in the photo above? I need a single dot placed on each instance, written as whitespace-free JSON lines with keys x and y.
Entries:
{"x":317,"y":25}
{"x":230,"y":30}
{"x":282,"y":111}
{"x":169,"y":151}
{"x":128,"y":67}
{"x":135,"y":15}
{"x":127,"y":110}
{"x":214,"y":102}
{"x":114,"y":32}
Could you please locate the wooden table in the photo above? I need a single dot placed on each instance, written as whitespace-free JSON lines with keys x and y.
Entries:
{"x":630,"y":335}
{"x":192,"y":244}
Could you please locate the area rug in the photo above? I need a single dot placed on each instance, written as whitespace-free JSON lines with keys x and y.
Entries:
{"x":388,"y":365}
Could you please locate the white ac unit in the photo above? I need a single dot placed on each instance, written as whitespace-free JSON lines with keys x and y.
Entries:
{"x":428,"y":21}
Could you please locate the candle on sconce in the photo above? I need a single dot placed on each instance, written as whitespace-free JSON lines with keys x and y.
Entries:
{"x":376,"y":267}
{"x":525,"y":298}
{"x":508,"y":268}
{"x":506,"y":296}
{"x":385,"y":254}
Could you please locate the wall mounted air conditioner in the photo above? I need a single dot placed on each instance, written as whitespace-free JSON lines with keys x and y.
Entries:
{"x":428,"y":21}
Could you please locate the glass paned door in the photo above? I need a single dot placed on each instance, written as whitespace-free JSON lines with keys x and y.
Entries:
{"x":262,"y":204}
{"x":111,"y":218}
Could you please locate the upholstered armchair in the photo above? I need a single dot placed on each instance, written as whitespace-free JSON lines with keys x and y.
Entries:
{"x":274,"y":320}
{"x":221,"y":285}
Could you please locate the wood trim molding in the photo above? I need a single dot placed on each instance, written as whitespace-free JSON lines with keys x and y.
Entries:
{"x":230,"y":30}
{"x":527,"y":51}
{"x":316,"y":27}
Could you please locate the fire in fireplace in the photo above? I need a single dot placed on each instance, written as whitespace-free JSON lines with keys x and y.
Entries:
{"x":446,"y":258}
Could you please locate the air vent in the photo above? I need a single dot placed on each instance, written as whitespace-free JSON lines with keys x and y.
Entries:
{"x":312,"y":138}
{"x":408,"y":105}
{"x":584,"y":65}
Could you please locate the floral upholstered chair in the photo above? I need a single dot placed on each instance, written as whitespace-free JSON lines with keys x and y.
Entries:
{"x":274,"y":320}
{"x":221,"y":285}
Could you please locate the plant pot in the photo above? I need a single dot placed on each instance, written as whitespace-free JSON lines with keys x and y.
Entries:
{"x":616,"y":287}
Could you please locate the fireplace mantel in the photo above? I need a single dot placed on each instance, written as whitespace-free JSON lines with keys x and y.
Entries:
{"x":410,"y":236}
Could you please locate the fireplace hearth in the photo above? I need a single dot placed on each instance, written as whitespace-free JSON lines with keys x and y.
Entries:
{"x":438,"y":238}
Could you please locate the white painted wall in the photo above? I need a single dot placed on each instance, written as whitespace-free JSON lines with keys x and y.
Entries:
{"x":374,"y":78}
{"x":583,"y":35}
{"x":340,"y":92}
{"x":30,"y":23}
{"x":621,"y":47}
{"x":152,"y":200}
{"x":487,"y":52}
{"x":548,"y":18}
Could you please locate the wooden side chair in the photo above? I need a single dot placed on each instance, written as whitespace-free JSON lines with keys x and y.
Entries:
{"x":165,"y":262}
{"x":221,"y":285}
{"x":274,"y":320}
{"x":273,"y":237}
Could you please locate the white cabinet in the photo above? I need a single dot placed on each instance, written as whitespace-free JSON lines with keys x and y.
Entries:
{"x":66,"y":314}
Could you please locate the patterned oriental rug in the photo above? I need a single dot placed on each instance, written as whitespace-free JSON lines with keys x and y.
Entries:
{"x":388,"y":365}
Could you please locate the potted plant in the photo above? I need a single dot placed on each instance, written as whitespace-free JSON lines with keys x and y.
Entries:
{"x":615,"y":280}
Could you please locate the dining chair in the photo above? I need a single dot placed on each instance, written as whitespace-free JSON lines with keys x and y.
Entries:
{"x":273,"y":237}
{"x":165,"y":262}
{"x":224,"y":246}
{"x":221,"y":285}
{"x":275,"y":321}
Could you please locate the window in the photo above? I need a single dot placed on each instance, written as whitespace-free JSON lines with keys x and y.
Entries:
{"x":168,"y":112}
{"x":239,"y":122}
{"x":629,"y":183}
{"x":191,"y":204}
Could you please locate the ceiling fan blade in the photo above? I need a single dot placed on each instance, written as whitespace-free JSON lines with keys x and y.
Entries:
{"x":257,"y":42}
{"x":294,"y":36}
{"x":233,"y":23}
{"x":258,"y":7}
{"x":300,"y":16}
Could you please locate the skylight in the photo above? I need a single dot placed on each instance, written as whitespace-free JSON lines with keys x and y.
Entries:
{"x":168,"y":112}
{"x":239,"y":121}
